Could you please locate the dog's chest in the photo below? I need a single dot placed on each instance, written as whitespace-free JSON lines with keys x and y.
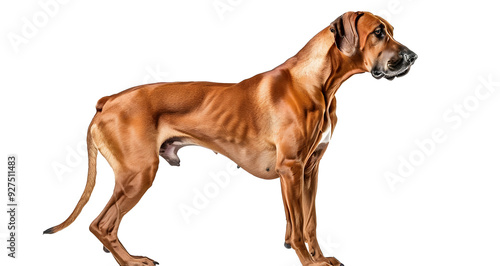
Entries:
{"x":327,"y":132}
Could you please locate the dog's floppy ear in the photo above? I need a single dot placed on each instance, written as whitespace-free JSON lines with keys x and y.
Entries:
{"x":346,"y":33}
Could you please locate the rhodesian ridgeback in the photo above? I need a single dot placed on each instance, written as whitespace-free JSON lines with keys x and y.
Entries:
{"x":276,"y":124}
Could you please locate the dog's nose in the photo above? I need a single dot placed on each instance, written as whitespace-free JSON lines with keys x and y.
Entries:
{"x":410,"y":57}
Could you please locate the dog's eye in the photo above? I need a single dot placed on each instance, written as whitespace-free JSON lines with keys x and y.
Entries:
{"x":379,"y":33}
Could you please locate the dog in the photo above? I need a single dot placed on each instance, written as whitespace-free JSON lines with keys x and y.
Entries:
{"x":276,"y":124}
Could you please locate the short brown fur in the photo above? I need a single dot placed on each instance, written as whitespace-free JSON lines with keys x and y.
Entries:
{"x":272,"y":125}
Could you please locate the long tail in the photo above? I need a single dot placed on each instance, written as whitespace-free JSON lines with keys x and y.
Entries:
{"x":92,"y":152}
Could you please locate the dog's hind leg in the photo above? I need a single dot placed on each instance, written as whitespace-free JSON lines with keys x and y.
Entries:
{"x":129,"y":189}
{"x":135,"y":164}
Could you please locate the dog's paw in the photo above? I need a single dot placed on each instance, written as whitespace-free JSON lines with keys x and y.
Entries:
{"x":141,"y":261}
{"x":320,"y":263}
{"x":333,"y":261}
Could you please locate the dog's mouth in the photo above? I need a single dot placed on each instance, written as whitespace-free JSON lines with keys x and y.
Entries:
{"x":395,"y":68}
{"x":390,"y":75}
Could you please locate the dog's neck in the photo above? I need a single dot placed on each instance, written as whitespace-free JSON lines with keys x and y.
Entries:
{"x":322,"y":66}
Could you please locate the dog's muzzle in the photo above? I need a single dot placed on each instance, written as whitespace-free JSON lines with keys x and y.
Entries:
{"x":397,"y":67}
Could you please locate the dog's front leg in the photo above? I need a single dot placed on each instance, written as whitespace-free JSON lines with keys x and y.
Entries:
{"x":291,"y":174}
{"x":310,"y":188}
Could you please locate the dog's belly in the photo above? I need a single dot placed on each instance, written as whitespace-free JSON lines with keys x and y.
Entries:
{"x":260,"y":163}
{"x":256,"y":160}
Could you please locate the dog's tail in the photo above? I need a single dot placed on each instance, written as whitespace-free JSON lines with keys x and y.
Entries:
{"x":92,"y":152}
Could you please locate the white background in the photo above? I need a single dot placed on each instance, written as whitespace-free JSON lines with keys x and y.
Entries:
{"x":445,"y":213}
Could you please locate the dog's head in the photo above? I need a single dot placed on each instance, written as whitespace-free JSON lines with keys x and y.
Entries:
{"x":368,"y":40}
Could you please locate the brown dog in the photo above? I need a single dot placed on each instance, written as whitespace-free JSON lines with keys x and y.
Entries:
{"x":274,"y":125}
